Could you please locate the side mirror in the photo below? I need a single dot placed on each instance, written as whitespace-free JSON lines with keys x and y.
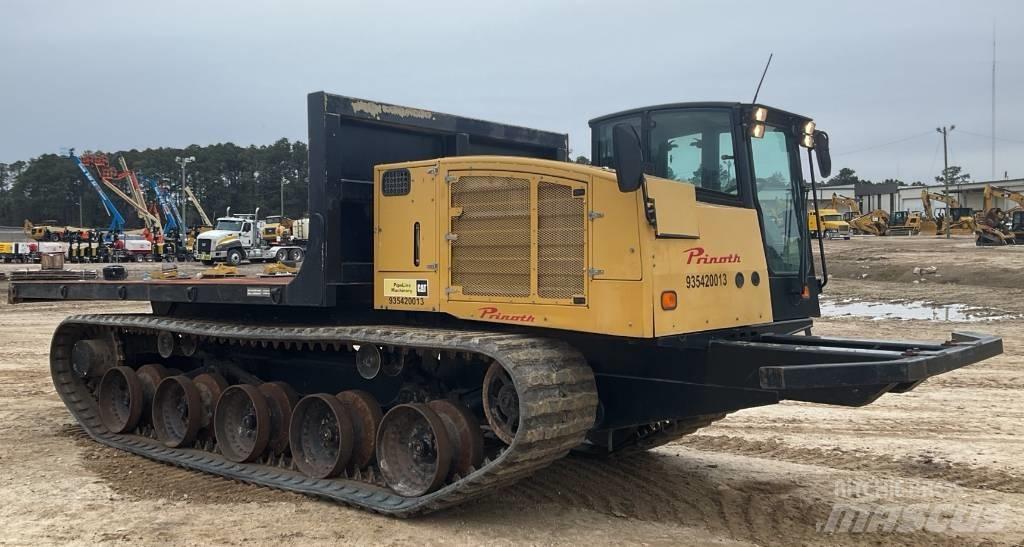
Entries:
{"x":821,"y":152}
{"x":628,"y":157}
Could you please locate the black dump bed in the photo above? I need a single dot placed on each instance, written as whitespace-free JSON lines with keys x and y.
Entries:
{"x":347,"y":138}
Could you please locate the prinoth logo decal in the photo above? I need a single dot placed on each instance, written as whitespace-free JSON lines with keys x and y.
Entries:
{"x":697,"y":255}
{"x":491,"y":312}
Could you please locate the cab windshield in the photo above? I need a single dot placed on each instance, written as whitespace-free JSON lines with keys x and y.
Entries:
{"x":832,"y":218}
{"x":229,"y":225}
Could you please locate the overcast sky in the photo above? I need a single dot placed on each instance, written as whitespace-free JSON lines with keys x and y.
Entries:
{"x":134,"y":74}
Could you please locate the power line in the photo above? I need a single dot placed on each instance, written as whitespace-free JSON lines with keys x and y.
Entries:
{"x":990,"y":137}
{"x":874,"y":146}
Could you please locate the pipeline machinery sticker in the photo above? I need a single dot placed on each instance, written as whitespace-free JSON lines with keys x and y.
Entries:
{"x":406,"y":291}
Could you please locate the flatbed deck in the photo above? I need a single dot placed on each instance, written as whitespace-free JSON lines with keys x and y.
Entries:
{"x":254,"y":290}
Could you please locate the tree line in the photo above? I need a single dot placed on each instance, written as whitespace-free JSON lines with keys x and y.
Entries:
{"x":50,"y":187}
{"x":847,"y":176}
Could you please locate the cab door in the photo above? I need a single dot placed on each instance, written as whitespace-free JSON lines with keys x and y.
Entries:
{"x":777,"y":184}
{"x":245,"y":236}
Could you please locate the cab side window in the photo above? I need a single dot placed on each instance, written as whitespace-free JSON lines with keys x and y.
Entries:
{"x":696,"y":147}
{"x":246,"y":228}
{"x":603,"y":154}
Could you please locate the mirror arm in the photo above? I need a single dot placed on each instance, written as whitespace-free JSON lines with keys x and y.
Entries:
{"x":817,"y":224}
{"x":649,"y":211}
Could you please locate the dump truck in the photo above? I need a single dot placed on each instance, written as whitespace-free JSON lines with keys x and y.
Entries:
{"x":474,"y":307}
{"x":832,"y":225}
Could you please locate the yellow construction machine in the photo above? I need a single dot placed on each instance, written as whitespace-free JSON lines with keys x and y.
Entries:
{"x":961,"y":218}
{"x":839,"y":201}
{"x":473,"y":307}
{"x":873,"y":223}
{"x":994,"y":226}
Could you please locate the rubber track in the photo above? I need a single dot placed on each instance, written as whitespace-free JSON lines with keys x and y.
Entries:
{"x":558,"y":403}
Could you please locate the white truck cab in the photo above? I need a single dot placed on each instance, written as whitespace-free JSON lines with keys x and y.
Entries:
{"x":236,"y":238}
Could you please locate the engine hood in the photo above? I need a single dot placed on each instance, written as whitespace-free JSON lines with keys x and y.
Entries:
{"x":217,"y":235}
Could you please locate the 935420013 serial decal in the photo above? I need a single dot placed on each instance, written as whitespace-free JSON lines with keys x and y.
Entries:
{"x":705,"y":281}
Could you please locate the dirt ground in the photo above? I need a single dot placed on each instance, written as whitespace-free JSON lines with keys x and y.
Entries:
{"x":770,"y":475}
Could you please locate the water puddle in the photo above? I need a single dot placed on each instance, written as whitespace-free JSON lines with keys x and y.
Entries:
{"x":911,"y":310}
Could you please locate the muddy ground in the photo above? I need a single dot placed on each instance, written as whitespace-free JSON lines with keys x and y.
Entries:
{"x":950,"y":450}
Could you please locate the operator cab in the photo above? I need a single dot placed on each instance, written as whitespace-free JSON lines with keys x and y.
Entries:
{"x":741,"y":155}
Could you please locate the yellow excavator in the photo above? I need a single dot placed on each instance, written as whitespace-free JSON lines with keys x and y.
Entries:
{"x":873,"y":222}
{"x":962,"y":218}
{"x":839,"y":201}
{"x":991,"y":223}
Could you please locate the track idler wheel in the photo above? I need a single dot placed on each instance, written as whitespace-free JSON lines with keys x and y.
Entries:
{"x":501,"y":403}
{"x":366,"y":415}
{"x":413,"y":449}
{"x":241,"y":423}
{"x":281,"y":399}
{"x":119,"y":399}
{"x":165,"y":342}
{"x":321,"y":436}
{"x":464,"y":432}
{"x":177,"y":411}
{"x":188,"y":345}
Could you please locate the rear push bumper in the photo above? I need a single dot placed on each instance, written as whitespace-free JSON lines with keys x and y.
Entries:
{"x":848,"y":371}
{"x":766,"y":366}
{"x":883,"y":362}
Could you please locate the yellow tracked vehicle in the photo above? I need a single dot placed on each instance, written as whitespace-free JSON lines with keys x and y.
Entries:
{"x":474,"y":307}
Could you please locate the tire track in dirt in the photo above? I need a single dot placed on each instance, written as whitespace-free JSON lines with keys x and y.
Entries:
{"x":674,"y":489}
{"x":978,"y":478}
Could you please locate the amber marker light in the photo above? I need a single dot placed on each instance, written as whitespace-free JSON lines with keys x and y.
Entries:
{"x":669,"y":300}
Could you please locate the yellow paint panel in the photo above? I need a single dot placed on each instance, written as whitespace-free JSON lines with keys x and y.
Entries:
{"x":615,"y":224}
{"x":675,"y":203}
{"x":703,"y":273}
{"x":396,"y":219}
{"x":619,"y":308}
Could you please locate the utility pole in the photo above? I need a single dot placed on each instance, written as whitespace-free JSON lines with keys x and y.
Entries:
{"x":993,"y":100}
{"x":284,"y":180}
{"x":183,"y":161}
{"x":945,"y":168}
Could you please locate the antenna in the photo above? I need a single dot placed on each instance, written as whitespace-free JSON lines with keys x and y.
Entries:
{"x":758,"y":92}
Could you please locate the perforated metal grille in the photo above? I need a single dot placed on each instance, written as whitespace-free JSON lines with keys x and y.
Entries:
{"x":560,"y":225}
{"x":395,"y":182}
{"x":491,"y":255}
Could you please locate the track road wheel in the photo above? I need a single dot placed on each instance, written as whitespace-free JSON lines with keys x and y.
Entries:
{"x":120,"y":399}
{"x":241,"y":423}
{"x":281,"y":399}
{"x":321,"y":436}
{"x":177,"y":411}
{"x":150,"y":376}
{"x":366,"y":415}
{"x":413,"y":450}
{"x":464,"y":432}
{"x":210,"y":386}
{"x":501,"y":403}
